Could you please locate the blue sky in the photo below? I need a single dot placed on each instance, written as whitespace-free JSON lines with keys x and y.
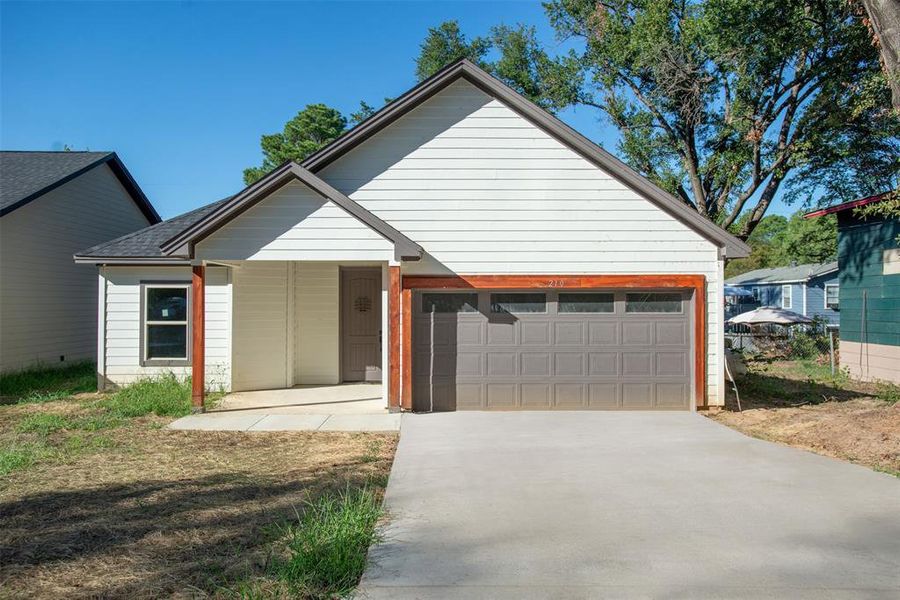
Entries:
{"x":183,"y":90}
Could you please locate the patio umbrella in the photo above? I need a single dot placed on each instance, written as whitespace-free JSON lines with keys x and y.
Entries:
{"x":769,"y":314}
{"x":736,"y":291}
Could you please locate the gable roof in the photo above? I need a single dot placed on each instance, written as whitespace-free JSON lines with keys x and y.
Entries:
{"x":26,"y":176}
{"x":848,"y":205}
{"x":143,"y":245}
{"x":793,"y":274}
{"x":184,"y":241}
{"x":465,"y":69}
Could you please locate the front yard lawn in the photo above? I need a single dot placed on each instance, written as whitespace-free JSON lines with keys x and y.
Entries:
{"x":99,"y":499}
{"x":800,"y":404}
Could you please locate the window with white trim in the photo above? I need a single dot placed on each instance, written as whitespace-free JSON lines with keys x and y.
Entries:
{"x":165,"y":325}
{"x":786,"y":296}
{"x":832,"y":296}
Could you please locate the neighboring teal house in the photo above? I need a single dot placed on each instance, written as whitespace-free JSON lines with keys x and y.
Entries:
{"x":809,"y":290}
{"x":869,"y":260}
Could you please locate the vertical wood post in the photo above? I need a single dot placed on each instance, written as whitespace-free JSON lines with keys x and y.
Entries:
{"x":198,"y":329}
{"x":406,"y":350}
{"x":394,"y":339}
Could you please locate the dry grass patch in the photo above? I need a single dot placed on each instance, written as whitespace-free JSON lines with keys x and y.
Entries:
{"x":172,"y":513}
{"x":800,"y":404}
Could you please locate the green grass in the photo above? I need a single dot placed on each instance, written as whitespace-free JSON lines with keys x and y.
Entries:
{"x":42,"y":424}
{"x":327,"y":545}
{"x":21,"y":455}
{"x":44,"y":384}
{"x":163,"y":396}
{"x":887,"y":392}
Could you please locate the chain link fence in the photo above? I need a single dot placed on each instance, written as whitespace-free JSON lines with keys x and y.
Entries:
{"x":817,"y":341}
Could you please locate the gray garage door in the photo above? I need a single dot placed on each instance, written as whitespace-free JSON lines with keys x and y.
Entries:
{"x":551,"y":349}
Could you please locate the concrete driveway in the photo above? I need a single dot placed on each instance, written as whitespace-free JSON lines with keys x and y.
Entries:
{"x":626,"y":505}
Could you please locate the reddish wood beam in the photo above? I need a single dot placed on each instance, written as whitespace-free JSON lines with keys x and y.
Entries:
{"x":406,"y":349}
{"x":394,"y":338}
{"x":198,"y":341}
{"x":700,"y":343}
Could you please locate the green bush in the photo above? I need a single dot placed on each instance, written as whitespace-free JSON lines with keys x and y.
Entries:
{"x":163,"y":396}
{"x":327,"y":546}
{"x":887,"y":392}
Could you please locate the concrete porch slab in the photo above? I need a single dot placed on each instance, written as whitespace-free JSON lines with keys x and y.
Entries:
{"x":385,"y":422}
{"x":286,"y":422}
{"x":289,"y":423}
{"x":216,"y":422}
{"x":346,"y":398}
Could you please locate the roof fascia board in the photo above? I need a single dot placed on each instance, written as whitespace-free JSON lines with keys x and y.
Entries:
{"x":735,"y":248}
{"x":113,"y":261}
{"x":183,"y":243}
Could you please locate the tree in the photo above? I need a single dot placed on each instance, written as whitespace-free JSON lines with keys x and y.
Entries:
{"x":445,"y":44}
{"x":311,"y":129}
{"x":724,"y":103}
{"x":779,"y":241}
{"x":884,"y":23}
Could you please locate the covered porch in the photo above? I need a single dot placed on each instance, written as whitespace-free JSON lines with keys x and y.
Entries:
{"x":307,"y":338}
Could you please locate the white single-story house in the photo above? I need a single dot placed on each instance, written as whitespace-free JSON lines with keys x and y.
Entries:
{"x":53,"y":204}
{"x":462,"y":246}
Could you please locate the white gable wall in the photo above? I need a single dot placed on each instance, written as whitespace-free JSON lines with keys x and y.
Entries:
{"x":295,"y":223}
{"x":486,"y":192}
{"x":48,"y":304}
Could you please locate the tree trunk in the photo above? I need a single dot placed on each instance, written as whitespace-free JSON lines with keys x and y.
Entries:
{"x":884,"y":19}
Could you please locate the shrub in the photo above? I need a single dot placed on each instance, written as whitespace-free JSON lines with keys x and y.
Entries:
{"x":887,"y":392}
{"x":327,"y":546}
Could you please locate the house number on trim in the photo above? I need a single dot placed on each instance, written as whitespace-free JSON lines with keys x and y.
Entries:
{"x":556,"y":283}
{"x":362,"y":304}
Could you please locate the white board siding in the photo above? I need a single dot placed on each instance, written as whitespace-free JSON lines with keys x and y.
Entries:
{"x":261,"y":323}
{"x":123,"y":324}
{"x":48,"y":304}
{"x":295,"y":223}
{"x":317,"y":318}
{"x":486,"y":192}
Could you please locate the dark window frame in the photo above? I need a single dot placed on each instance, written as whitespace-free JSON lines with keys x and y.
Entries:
{"x":144,"y":324}
{"x":448,"y":312}
{"x":491,"y":303}
{"x":610,"y":295}
{"x":681,"y":301}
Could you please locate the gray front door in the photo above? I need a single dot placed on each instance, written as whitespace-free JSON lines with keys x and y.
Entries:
{"x":361,"y":324}
{"x":552,"y":349}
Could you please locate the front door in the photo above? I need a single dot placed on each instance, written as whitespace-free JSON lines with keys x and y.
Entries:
{"x":361,"y":324}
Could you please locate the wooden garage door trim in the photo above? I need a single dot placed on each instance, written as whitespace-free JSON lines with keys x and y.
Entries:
{"x":697,"y":283}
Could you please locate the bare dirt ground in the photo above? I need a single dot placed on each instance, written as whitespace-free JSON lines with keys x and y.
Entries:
{"x":158,"y":513}
{"x":800,"y":404}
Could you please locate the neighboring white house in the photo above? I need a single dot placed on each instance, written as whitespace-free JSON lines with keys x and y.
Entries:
{"x":53,"y":204}
{"x":462,"y":246}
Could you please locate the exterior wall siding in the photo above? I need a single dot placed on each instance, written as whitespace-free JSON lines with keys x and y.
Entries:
{"x":48,"y":304}
{"x":486,"y":192}
{"x":815,"y":299}
{"x":122,"y":355}
{"x":317,"y":314}
{"x":871,"y":362}
{"x":861,"y":246}
{"x":295,"y":223}
{"x":261,"y":357}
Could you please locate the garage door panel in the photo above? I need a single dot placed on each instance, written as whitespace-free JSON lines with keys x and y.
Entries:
{"x":610,"y":359}
{"x":535,"y":333}
{"x":637,"y":333}
{"x":568,"y":333}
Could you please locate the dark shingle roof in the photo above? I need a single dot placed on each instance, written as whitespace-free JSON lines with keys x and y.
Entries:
{"x":145,"y":243}
{"x":783,"y":274}
{"x":23,"y":174}
{"x":26,"y":175}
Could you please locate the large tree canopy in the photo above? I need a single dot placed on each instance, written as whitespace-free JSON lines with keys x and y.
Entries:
{"x":725,"y":103}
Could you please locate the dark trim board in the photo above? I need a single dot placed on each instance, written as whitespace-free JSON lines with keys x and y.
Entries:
{"x":696,"y":283}
{"x":467,"y":70}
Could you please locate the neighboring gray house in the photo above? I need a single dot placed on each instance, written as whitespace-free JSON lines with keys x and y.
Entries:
{"x":462,"y":246}
{"x":810,"y":290}
{"x":53,"y":204}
